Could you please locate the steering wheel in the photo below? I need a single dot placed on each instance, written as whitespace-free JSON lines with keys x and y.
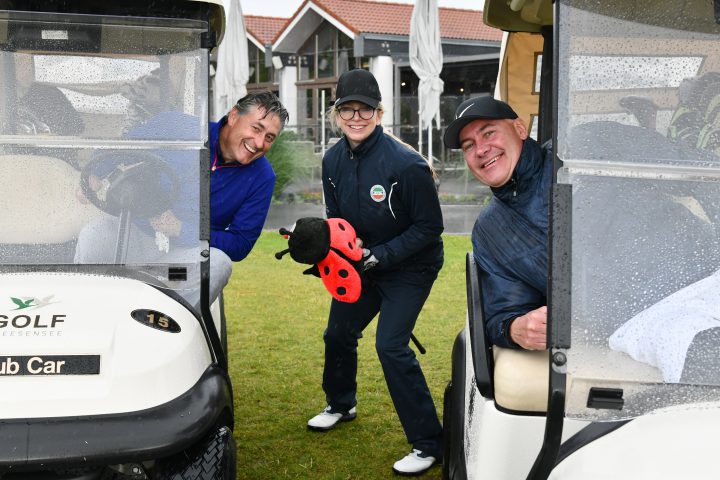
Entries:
{"x":141,"y":183}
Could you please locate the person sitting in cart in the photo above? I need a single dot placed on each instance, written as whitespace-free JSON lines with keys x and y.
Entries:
{"x":241,"y":187}
{"x":510,"y":236}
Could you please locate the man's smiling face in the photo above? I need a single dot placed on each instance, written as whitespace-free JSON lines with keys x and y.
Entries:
{"x":247,"y":137}
{"x":492,"y":148}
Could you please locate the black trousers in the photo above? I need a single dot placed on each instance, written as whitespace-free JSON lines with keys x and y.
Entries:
{"x":398,"y":296}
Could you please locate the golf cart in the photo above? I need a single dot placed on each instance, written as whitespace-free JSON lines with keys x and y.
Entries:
{"x":108,"y":366}
{"x":629,"y":387}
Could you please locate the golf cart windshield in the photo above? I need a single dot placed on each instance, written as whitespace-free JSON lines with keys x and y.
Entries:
{"x":638,"y":134}
{"x":103,"y":122}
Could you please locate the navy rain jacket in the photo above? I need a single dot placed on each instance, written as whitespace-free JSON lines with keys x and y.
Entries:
{"x":510,"y":243}
{"x":387,"y":193}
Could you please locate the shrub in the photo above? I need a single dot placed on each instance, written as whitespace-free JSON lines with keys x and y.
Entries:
{"x":282,"y":159}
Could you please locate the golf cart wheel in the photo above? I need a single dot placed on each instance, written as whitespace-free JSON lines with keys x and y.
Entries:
{"x":212,"y":459}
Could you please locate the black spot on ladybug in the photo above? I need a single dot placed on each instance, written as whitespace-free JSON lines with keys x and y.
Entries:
{"x":351,"y":246}
{"x":341,"y":226}
{"x":326,"y":270}
{"x":341,"y":290}
{"x":343,"y":273}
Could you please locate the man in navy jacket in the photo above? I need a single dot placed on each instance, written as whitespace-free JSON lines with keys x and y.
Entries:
{"x":510,"y":236}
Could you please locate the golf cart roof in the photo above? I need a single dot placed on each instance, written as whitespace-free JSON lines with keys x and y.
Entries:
{"x":164,"y":8}
{"x":217,"y":17}
{"x":531,"y":15}
{"x":518,"y":15}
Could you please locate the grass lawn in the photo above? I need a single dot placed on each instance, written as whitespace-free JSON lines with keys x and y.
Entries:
{"x":276,"y":319}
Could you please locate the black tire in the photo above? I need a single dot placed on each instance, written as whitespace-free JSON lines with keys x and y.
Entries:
{"x":212,"y":459}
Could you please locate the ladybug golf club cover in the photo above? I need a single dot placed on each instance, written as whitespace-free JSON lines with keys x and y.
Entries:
{"x":330,"y":246}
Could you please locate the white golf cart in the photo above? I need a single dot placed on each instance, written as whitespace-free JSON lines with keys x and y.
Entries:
{"x":630,"y":385}
{"x":108,"y":369}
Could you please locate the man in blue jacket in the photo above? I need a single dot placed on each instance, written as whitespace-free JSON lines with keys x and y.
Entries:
{"x":242,"y":181}
{"x":510,"y":236}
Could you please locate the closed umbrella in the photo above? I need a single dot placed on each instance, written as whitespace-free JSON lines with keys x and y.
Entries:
{"x":232,"y":71}
{"x":426,"y":60}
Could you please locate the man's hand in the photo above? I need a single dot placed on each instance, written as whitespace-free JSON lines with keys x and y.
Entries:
{"x":530,"y":330}
{"x":94,"y":183}
{"x":166,"y":223}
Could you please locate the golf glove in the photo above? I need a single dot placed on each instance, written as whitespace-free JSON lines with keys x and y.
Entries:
{"x":369,"y":260}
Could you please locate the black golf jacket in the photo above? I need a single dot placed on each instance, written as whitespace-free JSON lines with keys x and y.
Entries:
{"x":387,"y":193}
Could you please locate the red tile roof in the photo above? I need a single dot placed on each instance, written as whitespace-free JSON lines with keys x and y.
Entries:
{"x":264,"y":29}
{"x":364,"y":16}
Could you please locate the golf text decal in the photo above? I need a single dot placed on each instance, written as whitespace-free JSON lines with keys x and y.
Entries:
{"x":16,"y":365}
{"x":26,"y":322}
{"x":377,"y":193}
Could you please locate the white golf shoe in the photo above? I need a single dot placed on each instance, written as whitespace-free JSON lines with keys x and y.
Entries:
{"x":328,"y":418}
{"x":414,"y":463}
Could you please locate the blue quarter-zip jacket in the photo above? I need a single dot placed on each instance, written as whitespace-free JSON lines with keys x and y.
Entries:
{"x":387,"y":193}
{"x":510,"y":243}
{"x":240,"y":198}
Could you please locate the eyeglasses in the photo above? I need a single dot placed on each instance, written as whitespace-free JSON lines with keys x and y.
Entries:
{"x":347,"y":113}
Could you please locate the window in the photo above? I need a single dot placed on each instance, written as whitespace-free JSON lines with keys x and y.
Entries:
{"x":258,"y":72}
{"x":264,"y":73}
{"x":538,"y":72}
{"x":346,"y":60}
{"x":601,"y":72}
{"x":306,"y":60}
{"x":328,"y":53}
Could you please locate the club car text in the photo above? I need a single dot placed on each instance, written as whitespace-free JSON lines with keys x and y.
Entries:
{"x":17,"y":365}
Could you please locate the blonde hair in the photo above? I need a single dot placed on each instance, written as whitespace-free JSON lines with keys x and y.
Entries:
{"x":332,"y":114}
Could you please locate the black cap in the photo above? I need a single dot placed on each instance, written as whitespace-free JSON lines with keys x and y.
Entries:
{"x":358,"y":85}
{"x":474,"y":109}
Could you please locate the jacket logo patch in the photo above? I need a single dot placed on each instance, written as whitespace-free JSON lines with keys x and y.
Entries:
{"x":377,"y":193}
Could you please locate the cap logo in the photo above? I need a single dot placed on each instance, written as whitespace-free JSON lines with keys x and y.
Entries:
{"x":465,"y":110}
{"x":377,"y":193}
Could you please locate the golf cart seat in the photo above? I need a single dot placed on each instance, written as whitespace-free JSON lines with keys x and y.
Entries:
{"x":29,"y":196}
{"x":518,"y":379}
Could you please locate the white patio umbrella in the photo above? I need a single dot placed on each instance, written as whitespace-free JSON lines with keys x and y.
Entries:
{"x":232,"y":72}
{"x":426,"y":60}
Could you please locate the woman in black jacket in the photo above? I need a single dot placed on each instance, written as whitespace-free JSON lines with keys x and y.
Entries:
{"x":385,"y":189}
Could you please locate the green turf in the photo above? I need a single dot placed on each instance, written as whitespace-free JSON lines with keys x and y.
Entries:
{"x":276,"y":319}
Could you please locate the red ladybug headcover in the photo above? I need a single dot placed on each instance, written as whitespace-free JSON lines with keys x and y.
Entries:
{"x":330,"y":246}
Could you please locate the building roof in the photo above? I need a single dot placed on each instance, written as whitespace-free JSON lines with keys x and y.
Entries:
{"x":264,"y":29}
{"x":364,"y":16}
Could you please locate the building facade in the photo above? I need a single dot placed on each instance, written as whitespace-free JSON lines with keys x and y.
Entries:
{"x":301,"y":58}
